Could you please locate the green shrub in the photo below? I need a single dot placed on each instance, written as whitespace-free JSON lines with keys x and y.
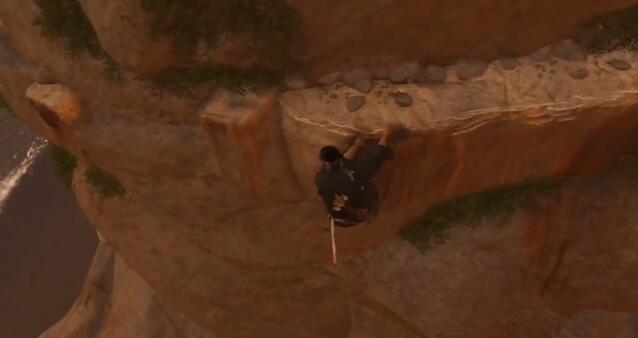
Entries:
{"x":5,"y":106}
{"x":189,"y":21}
{"x":65,"y":20}
{"x":272,"y":24}
{"x":618,"y":30}
{"x":107,"y":185}
{"x":64,"y":164}
{"x":496,"y":204}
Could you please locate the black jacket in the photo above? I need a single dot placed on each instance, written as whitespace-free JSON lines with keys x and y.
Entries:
{"x":349,"y":184}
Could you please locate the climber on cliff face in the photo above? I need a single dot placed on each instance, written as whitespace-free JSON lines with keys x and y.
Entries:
{"x":345,"y":179}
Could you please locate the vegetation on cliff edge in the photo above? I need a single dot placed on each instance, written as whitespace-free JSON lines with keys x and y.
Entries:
{"x":64,"y":163}
{"x":107,"y":185}
{"x":270,"y":23}
{"x":5,"y":106}
{"x":471,"y":210}
{"x":64,"y":20}
{"x":618,"y":30}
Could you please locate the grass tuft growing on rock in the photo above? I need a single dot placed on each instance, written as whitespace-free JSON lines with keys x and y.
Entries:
{"x":107,"y":185}
{"x":618,"y":30}
{"x":496,"y":204}
{"x":64,"y":163}
{"x":5,"y":109}
{"x":64,"y":20}
{"x":4,"y":104}
{"x":189,"y":23}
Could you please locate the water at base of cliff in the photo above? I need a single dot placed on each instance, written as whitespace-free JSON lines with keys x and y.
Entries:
{"x":19,"y":148}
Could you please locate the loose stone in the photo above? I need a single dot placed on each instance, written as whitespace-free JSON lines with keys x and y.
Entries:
{"x":469,"y":69}
{"x":569,"y":50}
{"x":354,"y":103}
{"x":619,"y":64}
{"x":434,"y":74}
{"x":402,"y":99}
{"x":508,"y":63}
{"x":329,"y":79}
{"x":578,"y":74}
{"x":405,"y":72}
{"x":541,"y":54}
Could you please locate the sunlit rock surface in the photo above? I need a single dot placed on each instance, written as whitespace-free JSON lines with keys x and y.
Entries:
{"x":221,"y":222}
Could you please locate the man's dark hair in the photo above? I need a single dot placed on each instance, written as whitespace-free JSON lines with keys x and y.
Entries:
{"x":330,"y":154}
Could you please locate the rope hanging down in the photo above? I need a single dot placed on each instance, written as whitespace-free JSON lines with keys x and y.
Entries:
{"x":334,"y":243}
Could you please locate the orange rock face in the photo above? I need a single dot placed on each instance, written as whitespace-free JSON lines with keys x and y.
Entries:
{"x":561,"y":266}
{"x":334,"y":33}
{"x":338,"y":33}
{"x":221,"y":221}
{"x":244,"y":224}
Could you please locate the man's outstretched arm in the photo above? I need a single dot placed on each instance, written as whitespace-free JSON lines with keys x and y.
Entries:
{"x":388,"y":132}
{"x":354,"y":149}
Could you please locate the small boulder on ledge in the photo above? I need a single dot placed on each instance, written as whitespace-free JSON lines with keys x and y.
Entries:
{"x":354,"y":103}
{"x":434,"y":74}
{"x":402,"y":99}
{"x":329,"y":79}
{"x":508,"y":63}
{"x":568,"y":49}
{"x":405,"y":72}
{"x":619,"y":64}
{"x":469,"y":69}
{"x":359,"y":79}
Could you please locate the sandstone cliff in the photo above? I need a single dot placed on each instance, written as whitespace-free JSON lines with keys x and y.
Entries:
{"x":209,"y":203}
{"x":562,"y":266}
